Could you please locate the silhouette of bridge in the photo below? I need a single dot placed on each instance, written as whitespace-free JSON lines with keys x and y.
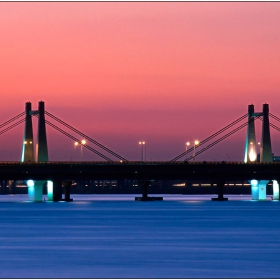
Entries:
{"x":36,"y":166}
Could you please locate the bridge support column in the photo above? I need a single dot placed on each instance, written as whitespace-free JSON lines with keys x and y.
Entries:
{"x":50,"y":190}
{"x":3,"y":187}
{"x":35,"y":190}
{"x":258,"y":189}
{"x":145,"y":196}
{"x":262,"y":189}
{"x":57,"y":190}
{"x":275,"y":186}
{"x":254,"y":189}
{"x":67,"y":185}
{"x":220,"y":197}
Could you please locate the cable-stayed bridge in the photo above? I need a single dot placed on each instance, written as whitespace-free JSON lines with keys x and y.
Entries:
{"x":36,"y":168}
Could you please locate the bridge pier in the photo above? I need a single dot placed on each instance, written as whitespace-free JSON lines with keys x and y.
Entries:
{"x":145,"y":196}
{"x":275,"y":186}
{"x":35,"y":190}
{"x":258,"y":189}
{"x":57,"y":190}
{"x":220,"y":197}
{"x":3,"y":187}
{"x":67,"y":185}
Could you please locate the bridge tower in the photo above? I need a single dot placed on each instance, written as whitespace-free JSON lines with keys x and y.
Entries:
{"x":250,"y":145}
{"x":27,"y":145}
{"x":258,"y":187}
{"x":266,"y":153}
{"x":41,"y":146}
{"x":35,"y":188}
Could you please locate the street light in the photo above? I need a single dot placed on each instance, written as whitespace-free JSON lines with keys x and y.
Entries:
{"x":187,"y":144}
{"x":76,"y":143}
{"x":83,"y":143}
{"x":196,"y":142}
{"x":259,"y":143}
{"x":143,"y":145}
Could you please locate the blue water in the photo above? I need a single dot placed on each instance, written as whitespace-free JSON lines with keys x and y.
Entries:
{"x":116,"y":237}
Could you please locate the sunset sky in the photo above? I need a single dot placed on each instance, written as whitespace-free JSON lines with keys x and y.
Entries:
{"x":124,"y":72}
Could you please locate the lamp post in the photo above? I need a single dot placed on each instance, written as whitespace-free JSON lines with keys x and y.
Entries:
{"x":187,"y":144}
{"x":83,"y":142}
{"x":143,"y":146}
{"x":259,"y":143}
{"x":196,"y":142}
{"x":76,"y":143}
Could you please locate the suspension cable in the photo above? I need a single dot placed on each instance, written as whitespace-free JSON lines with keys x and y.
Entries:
{"x":275,"y":117}
{"x":85,"y":136}
{"x":223,"y":137}
{"x":271,"y":124}
{"x":75,"y":139}
{"x":211,"y":137}
{"x":12,"y":126}
{"x":12,"y":119}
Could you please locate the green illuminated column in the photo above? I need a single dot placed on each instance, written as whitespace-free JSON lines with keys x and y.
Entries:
{"x":254,"y":189}
{"x":275,"y":189}
{"x":262,"y":189}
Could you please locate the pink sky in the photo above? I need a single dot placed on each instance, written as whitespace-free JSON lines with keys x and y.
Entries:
{"x":122,"y":72}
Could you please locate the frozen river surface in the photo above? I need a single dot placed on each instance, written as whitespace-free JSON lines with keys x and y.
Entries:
{"x":115,"y":237}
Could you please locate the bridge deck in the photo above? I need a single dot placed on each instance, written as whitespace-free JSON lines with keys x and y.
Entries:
{"x":138,"y":170}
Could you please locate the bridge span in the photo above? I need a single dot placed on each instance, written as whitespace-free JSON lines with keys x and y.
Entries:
{"x":36,"y":167}
{"x":215,"y":172}
{"x":136,"y":170}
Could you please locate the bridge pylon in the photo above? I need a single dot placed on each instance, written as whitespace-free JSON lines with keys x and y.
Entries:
{"x":41,"y":146}
{"x":27,"y":143}
{"x":266,"y":151}
{"x":250,"y":144}
{"x":258,"y":187}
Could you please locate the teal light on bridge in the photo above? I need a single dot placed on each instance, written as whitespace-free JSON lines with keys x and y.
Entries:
{"x":31,"y":189}
{"x":50,"y":190}
{"x":255,"y":189}
{"x":275,"y":190}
